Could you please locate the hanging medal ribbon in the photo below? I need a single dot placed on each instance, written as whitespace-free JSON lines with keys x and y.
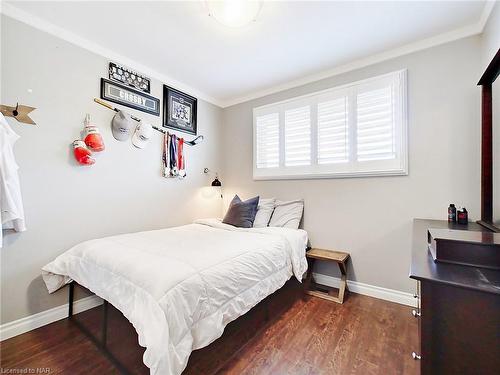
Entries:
{"x":173,"y":158}
{"x":165,"y":156}
{"x":181,"y":161}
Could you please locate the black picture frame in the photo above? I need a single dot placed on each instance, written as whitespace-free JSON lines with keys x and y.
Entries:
{"x":111,"y":90}
{"x":129,"y":77}
{"x":179,"y":111}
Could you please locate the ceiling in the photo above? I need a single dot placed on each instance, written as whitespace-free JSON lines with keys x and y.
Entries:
{"x":290,"y":43}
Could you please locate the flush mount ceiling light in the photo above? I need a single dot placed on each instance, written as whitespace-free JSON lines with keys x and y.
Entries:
{"x":234,"y":13}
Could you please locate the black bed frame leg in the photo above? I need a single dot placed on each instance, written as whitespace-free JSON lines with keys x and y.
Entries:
{"x":267,"y":310}
{"x":71,"y":297}
{"x":104,"y":323}
{"x":100,"y":344}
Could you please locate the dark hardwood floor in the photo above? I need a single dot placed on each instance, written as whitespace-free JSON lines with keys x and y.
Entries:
{"x":304,"y":335}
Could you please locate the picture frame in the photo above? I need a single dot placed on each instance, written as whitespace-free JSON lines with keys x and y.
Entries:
{"x":129,"y":77}
{"x":124,"y":95}
{"x":179,"y":110}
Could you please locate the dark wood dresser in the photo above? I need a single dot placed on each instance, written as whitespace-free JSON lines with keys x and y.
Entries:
{"x":458,"y":310}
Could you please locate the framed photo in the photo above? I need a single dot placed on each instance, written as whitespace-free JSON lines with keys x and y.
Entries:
{"x":120,"y":94}
{"x":179,"y":110}
{"x":129,"y":77}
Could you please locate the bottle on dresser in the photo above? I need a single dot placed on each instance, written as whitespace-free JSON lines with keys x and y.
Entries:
{"x":452,"y":213}
{"x":462,"y":216}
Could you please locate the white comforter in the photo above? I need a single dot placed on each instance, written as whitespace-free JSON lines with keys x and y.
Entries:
{"x":181,"y":286}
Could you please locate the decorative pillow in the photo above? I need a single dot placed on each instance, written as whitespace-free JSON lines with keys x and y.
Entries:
{"x":241,"y":214}
{"x":264,"y":212}
{"x":287,"y":214}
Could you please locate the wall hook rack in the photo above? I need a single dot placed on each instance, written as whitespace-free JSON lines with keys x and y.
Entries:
{"x":19,"y":112}
{"x":193,"y":142}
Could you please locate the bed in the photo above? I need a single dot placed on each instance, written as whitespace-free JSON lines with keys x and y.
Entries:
{"x":179,"y":287}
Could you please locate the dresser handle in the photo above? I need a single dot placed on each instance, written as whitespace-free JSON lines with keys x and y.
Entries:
{"x":415,"y":295}
{"x":415,"y":356}
{"x":415,"y":313}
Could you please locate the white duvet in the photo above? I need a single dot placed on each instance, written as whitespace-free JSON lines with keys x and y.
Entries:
{"x":181,"y":286}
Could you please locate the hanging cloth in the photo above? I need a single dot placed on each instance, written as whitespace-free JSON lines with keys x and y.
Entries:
{"x":173,"y":158}
{"x":11,"y":204}
{"x":174,"y":171}
{"x":166,"y":156}
{"x":181,"y":160}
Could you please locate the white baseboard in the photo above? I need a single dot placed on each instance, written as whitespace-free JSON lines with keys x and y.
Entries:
{"x":34,"y":321}
{"x":368,"y":290}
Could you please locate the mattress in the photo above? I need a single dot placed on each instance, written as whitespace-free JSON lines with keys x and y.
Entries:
{"x":181,"y":286}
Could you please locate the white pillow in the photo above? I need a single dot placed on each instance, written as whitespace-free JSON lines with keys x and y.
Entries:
{"x":264,"y":212}
{"x":287,"y":214}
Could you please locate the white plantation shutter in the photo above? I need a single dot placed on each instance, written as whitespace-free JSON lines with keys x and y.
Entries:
{"x":333,"y":131}
{"x":298,"y":136}
{"x":359,"y":129}
{"x":375,"y":125}
{"x":267,"y":141}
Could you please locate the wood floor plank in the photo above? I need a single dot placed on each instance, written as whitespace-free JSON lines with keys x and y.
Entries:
{"x":274,"y":343}
{"x":341,"y":353}
{"x":59,"y":346}
{"x":303,"y":336}
{"x":330,"y":323}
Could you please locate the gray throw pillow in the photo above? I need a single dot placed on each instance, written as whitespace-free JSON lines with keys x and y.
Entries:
{"x":241,"y":214}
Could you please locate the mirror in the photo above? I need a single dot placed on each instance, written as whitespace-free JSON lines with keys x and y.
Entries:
{"x":490,"y":146}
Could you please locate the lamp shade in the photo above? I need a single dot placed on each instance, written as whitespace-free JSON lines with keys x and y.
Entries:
{"x":234,"y":13}
{"x":216,"y":182}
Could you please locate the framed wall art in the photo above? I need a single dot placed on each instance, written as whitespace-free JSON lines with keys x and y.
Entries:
{"x":179,"y":110}
{"x":120,"y":94}
{"x":129,"y":77}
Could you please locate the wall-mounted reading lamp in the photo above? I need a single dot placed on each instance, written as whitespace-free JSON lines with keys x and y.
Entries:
{"x":216,"y":182}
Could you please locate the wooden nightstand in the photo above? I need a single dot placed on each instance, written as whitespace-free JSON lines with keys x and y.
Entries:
{"x":338,"y":257}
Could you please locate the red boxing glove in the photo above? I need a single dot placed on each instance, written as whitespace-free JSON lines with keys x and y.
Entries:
{"x":82,"y":153}
{"x":93,"y":139}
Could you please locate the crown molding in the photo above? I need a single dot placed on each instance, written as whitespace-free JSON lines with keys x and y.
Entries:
{"x":473,"y":29}
{"x":450,"y":36}
{"x":20,"y":15}
{"x":361,"y":63}
{"x":485,"y":15}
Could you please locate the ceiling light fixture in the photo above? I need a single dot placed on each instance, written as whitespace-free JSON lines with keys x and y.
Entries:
{"x":234,"y":13}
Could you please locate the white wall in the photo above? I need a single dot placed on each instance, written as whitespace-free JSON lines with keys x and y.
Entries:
{"x":65,"y":203}
{"x":371,"y":217}
{"x":490,"y":43}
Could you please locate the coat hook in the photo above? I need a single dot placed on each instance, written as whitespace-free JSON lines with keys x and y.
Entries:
{"x":15,"y":112}
{"x":19,"y":112}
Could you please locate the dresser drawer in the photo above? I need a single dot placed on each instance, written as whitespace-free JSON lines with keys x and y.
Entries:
{"x":458,"y":330}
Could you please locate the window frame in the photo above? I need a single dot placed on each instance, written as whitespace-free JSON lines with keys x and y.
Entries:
{"x":399,"y":166}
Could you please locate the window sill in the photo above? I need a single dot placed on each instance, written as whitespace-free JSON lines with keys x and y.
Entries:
{"x":315,"y":176}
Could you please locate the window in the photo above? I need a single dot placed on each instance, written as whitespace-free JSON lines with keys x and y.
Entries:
{"x":298,"y":136}
{"x":268,"y":146}
{"x":359,"y":129}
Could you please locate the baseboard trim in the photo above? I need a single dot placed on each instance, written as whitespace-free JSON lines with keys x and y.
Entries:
{"x":391,"y":295}
{"x":29,"y":323}
{"x":40,"y":319}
